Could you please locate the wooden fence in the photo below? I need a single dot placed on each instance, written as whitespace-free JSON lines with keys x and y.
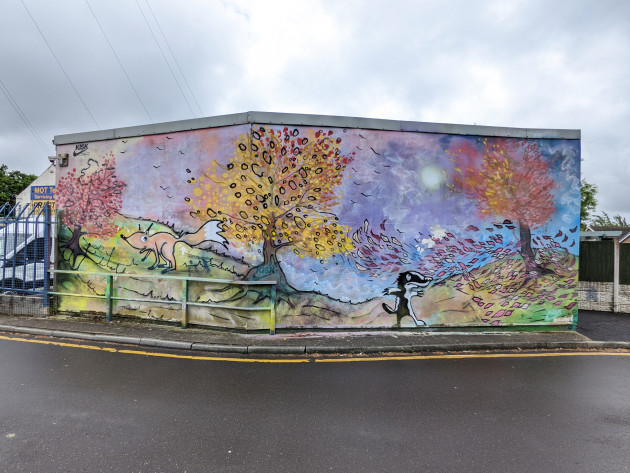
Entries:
{"x":597,"y":261}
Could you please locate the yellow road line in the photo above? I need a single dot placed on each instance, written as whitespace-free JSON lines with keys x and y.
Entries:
{"x":471,"y":355}
{"x":60,"y":344}
{"x":156,"y":354}
{"x":214,"y":358}
{"x":317,"y":360}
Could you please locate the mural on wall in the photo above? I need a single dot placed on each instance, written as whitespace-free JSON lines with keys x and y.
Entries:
{"x":161,"y":245}
{"x":90,"y":198}
{"x":356,"y":227}
{"x":279,"y":191}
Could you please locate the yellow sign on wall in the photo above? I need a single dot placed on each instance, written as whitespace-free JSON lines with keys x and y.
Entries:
{"x":39,"y":205}
{"x":42,"y":195}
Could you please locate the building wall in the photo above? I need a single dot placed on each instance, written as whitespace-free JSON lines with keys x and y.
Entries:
{"x":47,"y":178}
{"x":358,"y":228}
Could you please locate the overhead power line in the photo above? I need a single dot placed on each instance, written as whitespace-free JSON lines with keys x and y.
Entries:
{"x":174,"y":57}
{"x":59,"y":63}
{"x":22,"y":115}
{"x":119,"y":62}
{"x":165,"y":60}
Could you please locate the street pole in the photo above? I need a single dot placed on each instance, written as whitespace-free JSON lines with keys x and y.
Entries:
{"x":616,"y":275}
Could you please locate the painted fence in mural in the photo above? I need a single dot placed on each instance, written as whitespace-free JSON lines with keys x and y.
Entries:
{"x":357,"y":227}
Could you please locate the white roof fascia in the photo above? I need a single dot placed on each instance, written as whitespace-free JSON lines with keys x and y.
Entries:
{"x":327,"y":121}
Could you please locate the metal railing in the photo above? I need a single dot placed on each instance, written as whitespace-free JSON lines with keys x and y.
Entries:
{"x":110,"y":294}
{"x":26,"y":244}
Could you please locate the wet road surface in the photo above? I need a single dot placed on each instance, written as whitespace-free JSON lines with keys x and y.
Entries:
{"x":71,"y":409}
{"x":604,"y":326}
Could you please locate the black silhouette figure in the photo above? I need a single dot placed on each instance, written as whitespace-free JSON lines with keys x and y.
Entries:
{"x":409,"y":284}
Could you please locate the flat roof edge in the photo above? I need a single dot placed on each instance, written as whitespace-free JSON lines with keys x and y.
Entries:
{"x":332,"y":121}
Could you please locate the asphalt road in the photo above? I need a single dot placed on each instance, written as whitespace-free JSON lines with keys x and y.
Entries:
{"x":604,"y":326}
{"x":71,"y":409}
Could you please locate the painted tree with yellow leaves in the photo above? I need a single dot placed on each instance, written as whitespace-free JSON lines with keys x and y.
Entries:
{"x":512,"y":181}
{"x":279,"y":190}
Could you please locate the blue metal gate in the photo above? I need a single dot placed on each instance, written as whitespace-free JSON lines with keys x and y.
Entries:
{"x":25,"y":254}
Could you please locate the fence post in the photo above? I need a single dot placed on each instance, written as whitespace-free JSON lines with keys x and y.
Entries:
{"x":47,"y":249}
{"x":184,"y":303}
{"x":616,"y":275}
{"x":272,"y":311}
{"x":108,"y":297}
{"x":55,"y":254}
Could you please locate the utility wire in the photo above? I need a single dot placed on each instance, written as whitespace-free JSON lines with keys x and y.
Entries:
{"x":174,"y":57}
{"x":119,"y":62}
{"x":58,"y":62}
{"x":164,"y":56}
{"x":22,"y":115}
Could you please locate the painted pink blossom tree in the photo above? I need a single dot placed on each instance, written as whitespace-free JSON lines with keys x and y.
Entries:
{"x":89,"y":198}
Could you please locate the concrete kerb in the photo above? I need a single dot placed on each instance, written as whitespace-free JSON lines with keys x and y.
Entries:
{"x":330,"y":349}
{"x":179,"y":345}
{"x":148,"y":342}
{"x":608,"y":345}
{"x":242,"y":350}
{"x":566,"y":345}
{"x":333,"y":350}
{"x":78,"y":335}
{"x":117,"y":339}
{"x":277,"y":350}
{"x":34,"y":331}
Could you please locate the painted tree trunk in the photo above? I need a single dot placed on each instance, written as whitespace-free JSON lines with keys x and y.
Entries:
{"x":74,"y":243}
{"x":533,"y":268}
{"x":270,"y":269}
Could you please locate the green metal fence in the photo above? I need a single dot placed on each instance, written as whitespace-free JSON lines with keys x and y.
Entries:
{"x":110,"y":296}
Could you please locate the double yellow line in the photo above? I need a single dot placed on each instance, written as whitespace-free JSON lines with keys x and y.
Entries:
{"x":348,"y":359}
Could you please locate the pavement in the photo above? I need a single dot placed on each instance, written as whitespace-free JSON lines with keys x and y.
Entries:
{"x":595,"y":330}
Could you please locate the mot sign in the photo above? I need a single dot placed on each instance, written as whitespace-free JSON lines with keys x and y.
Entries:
{"x":43,"y":195}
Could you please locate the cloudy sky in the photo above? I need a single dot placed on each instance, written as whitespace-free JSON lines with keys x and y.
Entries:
{"x":82,"y":65}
